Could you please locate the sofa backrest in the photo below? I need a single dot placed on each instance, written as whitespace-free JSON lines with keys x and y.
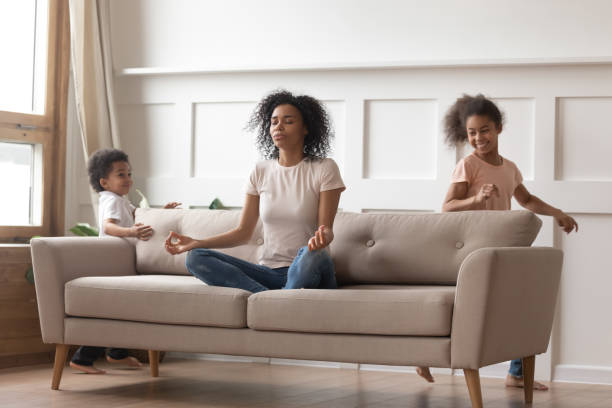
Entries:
{"x":424,"y":248}
{"x":151,"y":257}
{"x":367,"y":248}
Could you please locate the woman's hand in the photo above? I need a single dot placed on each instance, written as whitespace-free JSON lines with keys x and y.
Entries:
{"x":141,"y":231}
{"x":566,"y":222}
{"x":173,"y":204}
{"x":177,"y":243}
{"x":323,"y":237}
{"x":486,"y":192}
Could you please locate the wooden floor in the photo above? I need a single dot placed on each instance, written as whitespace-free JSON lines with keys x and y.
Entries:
{"x":188,"y":383}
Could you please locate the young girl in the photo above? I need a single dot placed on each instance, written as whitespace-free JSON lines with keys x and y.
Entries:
{"x":296,"y":191}
{"x":485,"y":180}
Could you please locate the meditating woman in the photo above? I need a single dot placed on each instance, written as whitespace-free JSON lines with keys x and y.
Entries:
{"x":296,"y":191}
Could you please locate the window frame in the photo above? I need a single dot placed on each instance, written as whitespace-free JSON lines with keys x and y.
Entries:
{"x":48,"y":129}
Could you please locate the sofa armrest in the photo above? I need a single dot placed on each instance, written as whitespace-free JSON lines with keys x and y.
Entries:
{"x":504,"y":305}
{"x":61,"y":259}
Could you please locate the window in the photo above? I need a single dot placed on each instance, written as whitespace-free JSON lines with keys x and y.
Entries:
{"x":23,"y":36}
{"x":33,"y":80}
{"x":21,"y":167}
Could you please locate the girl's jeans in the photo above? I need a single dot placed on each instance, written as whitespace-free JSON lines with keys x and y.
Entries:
{"x":309,"y":269}
{"x":516,"y":368}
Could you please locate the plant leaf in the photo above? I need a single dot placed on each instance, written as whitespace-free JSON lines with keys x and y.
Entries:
{"x":29,"y":275}
{"x":216,"y":205}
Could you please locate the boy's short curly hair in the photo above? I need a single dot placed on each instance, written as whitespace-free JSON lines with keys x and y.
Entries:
{"x":464,"y":107}
{"x":315,"y":118}
{"x":100,"y":164}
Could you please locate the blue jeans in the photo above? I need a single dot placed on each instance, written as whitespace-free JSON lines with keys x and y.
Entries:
{"x":516,"y":368}
{"x":309,"y":269}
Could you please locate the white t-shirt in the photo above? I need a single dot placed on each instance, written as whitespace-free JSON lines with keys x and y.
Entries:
{"x":289,"y":204}
{"x":114,"y":206}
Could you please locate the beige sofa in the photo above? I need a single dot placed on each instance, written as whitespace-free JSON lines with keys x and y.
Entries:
{"x":457,"y":290}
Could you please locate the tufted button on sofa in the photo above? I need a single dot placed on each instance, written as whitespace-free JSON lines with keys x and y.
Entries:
{"x":455,"y":290}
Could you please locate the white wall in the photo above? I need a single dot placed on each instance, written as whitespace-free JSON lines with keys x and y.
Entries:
{"x":216,"y":34}
{"x":178,"y":128}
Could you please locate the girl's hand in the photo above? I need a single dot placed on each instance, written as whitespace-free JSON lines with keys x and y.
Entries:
{"x":323,"y":237}
{"x":566,"y":222}
{"x":141,"y":231}
{"x":173,"y":204}
{"x":177,"y":243}
{"x":486,"y":192}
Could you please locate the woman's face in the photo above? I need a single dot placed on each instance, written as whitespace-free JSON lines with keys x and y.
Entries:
{"x":287,"y":128}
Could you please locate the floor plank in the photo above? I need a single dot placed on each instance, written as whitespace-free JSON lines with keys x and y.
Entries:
{"x":229,"y":384}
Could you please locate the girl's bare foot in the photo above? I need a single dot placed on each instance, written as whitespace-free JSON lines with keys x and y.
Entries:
{"x":425,"y":373}
{"x":512,"y":381}
{"x":128,"y":361}
{"x":87,"y":369}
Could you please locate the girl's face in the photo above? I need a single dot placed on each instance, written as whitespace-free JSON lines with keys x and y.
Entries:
{"x":119,"y":179}
{"x":482,"y":134}
{"x":287,"y":128}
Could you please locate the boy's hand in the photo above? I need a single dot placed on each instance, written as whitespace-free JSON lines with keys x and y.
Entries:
{"x":141,"y":231}
{"x":566,"y":222}
{"x":177,"y":243}
{"x":323,"y":237}
{"x":173,"y":204}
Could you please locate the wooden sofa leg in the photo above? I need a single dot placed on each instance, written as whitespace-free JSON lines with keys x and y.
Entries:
{"x":154,"y":363}
{"x":528,"y":373}
{"x":61,"y":351}
{"x":472,"y":378}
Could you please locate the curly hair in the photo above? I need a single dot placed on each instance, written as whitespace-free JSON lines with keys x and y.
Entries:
{"x":315,"y":118}
{"x":466,"y":106}
{"x":101,"y":163}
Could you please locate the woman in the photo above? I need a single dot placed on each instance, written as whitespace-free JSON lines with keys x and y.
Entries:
{"x":296,"y":191}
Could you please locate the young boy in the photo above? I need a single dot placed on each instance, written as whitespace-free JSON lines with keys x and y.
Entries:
{"x":110,"y":175}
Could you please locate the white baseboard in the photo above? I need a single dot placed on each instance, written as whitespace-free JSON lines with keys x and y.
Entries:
{"x":217,"y":357}
{"x":583,"y":374}
{"x":311,"y":363}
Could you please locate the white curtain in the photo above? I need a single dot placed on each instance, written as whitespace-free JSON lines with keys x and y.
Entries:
{"x":93,"y":74}
{"x":92,"y":70}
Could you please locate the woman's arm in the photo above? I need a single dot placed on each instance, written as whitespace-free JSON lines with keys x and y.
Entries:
{"x":176,"y":243}
{"x":328,"y":207}
{"x":456,"y":197}
{"x":536,"y":205}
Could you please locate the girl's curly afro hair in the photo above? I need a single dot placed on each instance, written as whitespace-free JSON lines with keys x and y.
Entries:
{"x":458,"y":114}
{"x":314,"y":116}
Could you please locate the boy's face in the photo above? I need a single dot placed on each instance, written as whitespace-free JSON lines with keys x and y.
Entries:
{"x":119,"y":178}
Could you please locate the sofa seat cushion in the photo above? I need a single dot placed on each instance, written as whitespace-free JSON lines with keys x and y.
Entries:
{"x":157,"y":299}
{"x":366,"y":309}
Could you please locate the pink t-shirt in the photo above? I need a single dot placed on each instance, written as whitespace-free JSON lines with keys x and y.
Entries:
{"x":289,"y":204}
{"x":477,"y":172}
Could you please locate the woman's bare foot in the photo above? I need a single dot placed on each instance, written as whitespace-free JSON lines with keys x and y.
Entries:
{"x":128,"y":361}
{"x":425,"y":373}
{"x":87,"y":369}
{"x":512,"y":381}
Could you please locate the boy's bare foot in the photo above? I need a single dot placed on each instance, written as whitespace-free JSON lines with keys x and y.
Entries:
{"x":128,"y":361}
{"x":512,"y":381}
{"x":87,"y":369}
{"x":425,"y":373}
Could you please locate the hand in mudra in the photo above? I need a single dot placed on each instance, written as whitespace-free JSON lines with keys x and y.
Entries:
{"x":177,"y":243}
{"x":322,"y":238}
